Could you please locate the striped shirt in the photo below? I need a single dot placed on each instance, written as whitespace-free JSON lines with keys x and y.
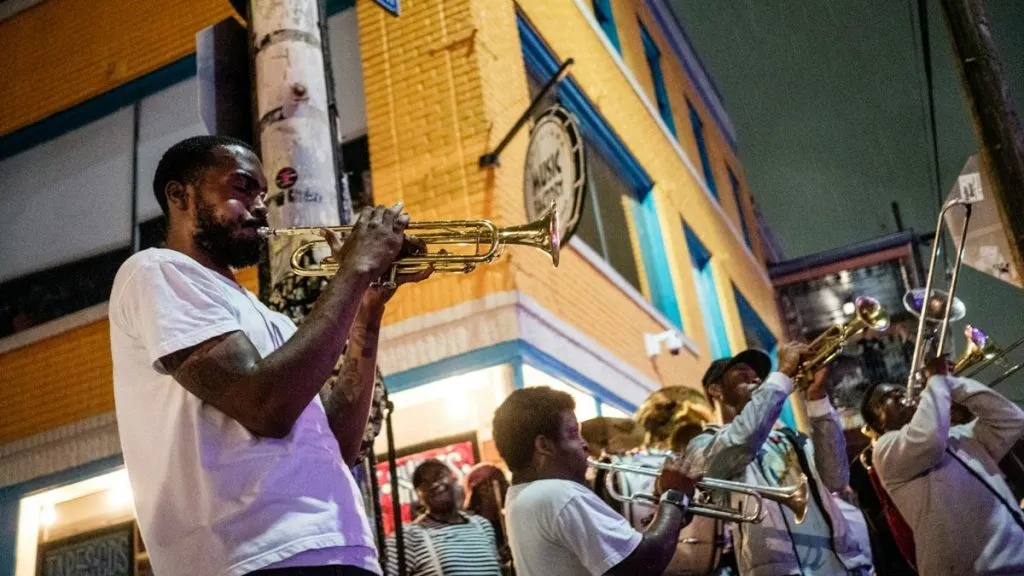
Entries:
{"x":458,"y":549}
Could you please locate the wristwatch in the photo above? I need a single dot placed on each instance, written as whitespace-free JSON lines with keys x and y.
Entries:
{"x":675,"y":497}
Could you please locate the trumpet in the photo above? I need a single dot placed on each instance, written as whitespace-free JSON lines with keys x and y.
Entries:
{"x":824,"y":349}
{"x":792,"y":497}
{"x":485,"y":241}
{"x":979,"y":349}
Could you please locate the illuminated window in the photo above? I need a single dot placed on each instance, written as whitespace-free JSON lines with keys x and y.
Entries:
{"x":586,"y":405}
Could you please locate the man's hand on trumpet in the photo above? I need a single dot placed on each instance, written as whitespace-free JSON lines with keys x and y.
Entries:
{"x":673,"y":477}
{"x":377,"y":240}
{"x":790,"y":356}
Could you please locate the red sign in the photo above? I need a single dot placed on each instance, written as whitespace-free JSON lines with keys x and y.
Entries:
{"x":459,"y":457}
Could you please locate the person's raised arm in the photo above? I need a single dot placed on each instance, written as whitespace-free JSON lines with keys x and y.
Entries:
{"x":827,"y":436}
{"x":267,"y":395}
{"x":902,"y":455}
{"x":1000,"y":422}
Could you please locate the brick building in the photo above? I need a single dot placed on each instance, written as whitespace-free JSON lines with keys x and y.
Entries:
{"x":96,"y":90}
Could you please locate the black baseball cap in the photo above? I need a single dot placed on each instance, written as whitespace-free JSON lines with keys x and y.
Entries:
{"x":754,"y":358}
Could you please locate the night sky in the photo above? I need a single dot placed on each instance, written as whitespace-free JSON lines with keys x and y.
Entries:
{"x":829,"y":99}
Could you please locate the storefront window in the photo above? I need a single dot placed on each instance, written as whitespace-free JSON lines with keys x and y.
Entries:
{"x":614,"y":412}
{"x":448,"y":407}
{"x":92,"y":520}
{"x":586,"y":405}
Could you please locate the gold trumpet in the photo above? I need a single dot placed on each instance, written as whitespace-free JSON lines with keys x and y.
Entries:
{"x":979,"y":349}
{"x":826,"y":348}
{"x":792,"y":497}
{"x":484,"y":238}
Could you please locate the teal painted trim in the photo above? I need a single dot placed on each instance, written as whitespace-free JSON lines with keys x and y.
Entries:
{"x":10,"y":501}
{"x":93,"y":109}
{"x":702,"y":148}
{"x":653,"y":56}
{"x":546,"y":363}
{"x":109,"y":102}
{"x":652,"y":250}
{"x":735,"y":183}
{"x":514,"y":352}
{"x":517,"y":374}
{"x":707,"y":295}
{"x":606,"y":18}
{"x":501,"y":353}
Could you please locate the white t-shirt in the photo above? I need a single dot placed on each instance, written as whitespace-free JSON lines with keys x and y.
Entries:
{"x":211,"y":497}
{"x":559,"y":527}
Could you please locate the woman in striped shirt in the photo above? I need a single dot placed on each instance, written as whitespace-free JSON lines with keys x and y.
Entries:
{"x":444,"y":541}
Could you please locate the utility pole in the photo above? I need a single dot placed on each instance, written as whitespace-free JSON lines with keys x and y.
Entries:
{"x":1000,"y":140}
{"x":296,"y":126}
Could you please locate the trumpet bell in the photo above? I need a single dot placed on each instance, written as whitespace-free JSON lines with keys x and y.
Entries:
{"x":869,"y":314}
{"x":914,"y":302}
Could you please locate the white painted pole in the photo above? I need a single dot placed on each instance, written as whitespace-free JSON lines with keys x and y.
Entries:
{"x":294,"y":124}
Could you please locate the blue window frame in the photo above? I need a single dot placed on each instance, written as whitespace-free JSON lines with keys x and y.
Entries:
{"x":702,"y":149}
{"x":653,"y":56}
{"x":599,"y":136}
{"x":606,"y":18}
{"x":707,"y":295}
{"x":735,"y":183}
{"x":759,"y":336}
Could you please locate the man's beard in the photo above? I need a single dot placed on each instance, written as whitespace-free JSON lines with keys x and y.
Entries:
{"x":218,"y":240}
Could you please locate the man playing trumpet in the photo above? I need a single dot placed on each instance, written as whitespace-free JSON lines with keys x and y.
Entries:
{"x":944,"y":478}
{"x":746,"y":448}
{"x":556,"y":524}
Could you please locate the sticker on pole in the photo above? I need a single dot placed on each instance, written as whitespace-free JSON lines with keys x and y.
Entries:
{"x":555,"y":170}
{"x":392,"y":6}
{"x":286,"y":178}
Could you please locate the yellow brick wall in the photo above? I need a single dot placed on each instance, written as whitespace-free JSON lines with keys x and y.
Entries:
{"x":577,"y":292}
{"x":56,"y":381}
{"x":63,"y":52}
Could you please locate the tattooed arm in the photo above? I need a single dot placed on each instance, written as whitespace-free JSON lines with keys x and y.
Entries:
{"x":348,"y":398}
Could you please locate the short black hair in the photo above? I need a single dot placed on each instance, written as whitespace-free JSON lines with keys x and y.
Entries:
{"x":419,"y":474}
{"x":186,"y":161}
{"x":867,"y":411}
{"x":524,"y":415}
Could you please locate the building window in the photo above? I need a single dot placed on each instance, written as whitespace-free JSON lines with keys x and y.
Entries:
{"x":735,"y":183}
{"x":605,"y":17}
{"x":702,"y":149}
{"x":603,"y":224}
{"x":653,"y":56}
{"x":707,"y":295}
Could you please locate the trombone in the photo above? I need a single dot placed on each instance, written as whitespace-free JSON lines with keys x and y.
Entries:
{"x":869,"y":313}
{"x":929,"y":302}
{"x":792,"y":497}
{"x":485,"y":240}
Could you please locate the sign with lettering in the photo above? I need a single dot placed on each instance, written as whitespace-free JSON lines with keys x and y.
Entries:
{"x":392,"y":6}
{"x":555,"y":169}
{"x":107,"y":552}
{"x":460,"y":456}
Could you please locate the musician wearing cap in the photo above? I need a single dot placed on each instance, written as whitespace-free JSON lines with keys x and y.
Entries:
{"x":944,"y":478}
{"x":556,"y":524}
{"x":746,"y":448}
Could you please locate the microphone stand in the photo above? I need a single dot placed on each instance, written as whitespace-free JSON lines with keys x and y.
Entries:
{"x":396,"y":505}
